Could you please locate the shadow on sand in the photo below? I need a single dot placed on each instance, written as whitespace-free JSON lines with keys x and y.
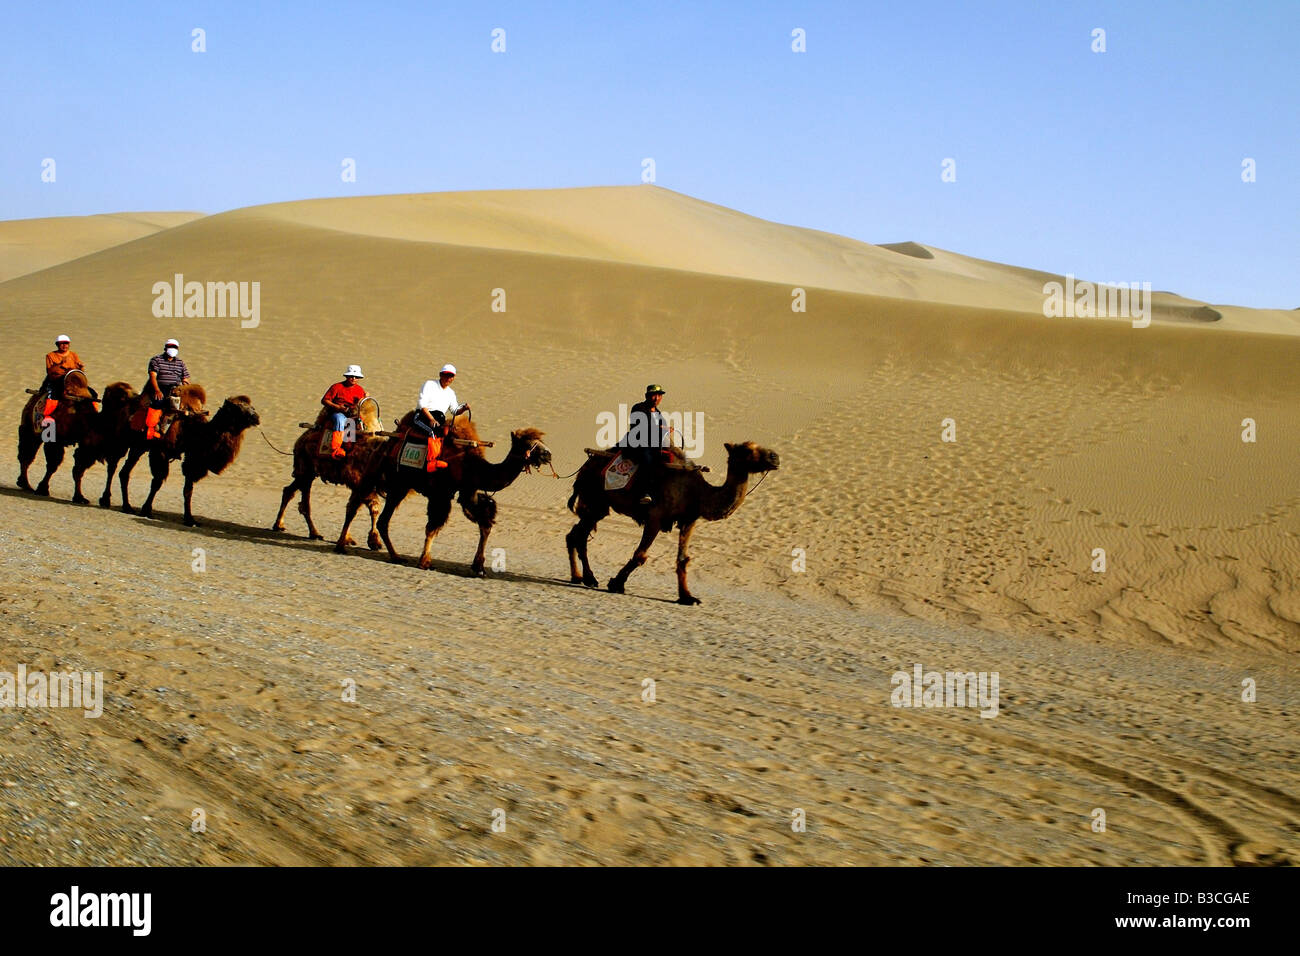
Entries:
{"x":217,"y":529}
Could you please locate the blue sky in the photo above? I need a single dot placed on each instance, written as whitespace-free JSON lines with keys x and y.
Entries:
{"x":1116,"y":166}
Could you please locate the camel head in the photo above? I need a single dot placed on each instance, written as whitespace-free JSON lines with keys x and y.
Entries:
{"x":237,"y":413}
{"x":116,"y":393}
{"x":528,"y":442}
{"x":750,"y":458}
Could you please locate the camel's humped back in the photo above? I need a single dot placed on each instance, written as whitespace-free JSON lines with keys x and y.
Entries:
{"x":193,"y":397}
{"x":462,"y":428}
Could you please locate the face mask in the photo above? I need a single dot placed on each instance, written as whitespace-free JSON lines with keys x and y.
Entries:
{"x":172,"y":353}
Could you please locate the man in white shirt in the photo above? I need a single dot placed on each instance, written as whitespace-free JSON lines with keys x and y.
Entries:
{"x":439,"y":397}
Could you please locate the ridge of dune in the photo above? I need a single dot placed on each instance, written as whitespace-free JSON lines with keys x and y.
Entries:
{"x":639,"y":225}
{"x":653,"y":226}
{"x":30,"y":245}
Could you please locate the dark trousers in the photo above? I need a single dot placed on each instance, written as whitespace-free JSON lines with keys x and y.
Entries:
{"x":163,"y":402}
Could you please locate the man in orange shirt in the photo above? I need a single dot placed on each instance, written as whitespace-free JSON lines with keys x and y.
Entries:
{"x":342,"y":400}
{"x":58,"y":364}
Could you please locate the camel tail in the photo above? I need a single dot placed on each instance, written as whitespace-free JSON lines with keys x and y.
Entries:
{"x":573,"y":498}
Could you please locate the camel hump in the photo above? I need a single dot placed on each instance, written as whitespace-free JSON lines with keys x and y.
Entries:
{"x":193,"y":398}
{"x":464,"y":429}
{"x":463,"y":440}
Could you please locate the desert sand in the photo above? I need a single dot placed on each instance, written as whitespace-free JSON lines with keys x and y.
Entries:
{"x":1120,"y":690}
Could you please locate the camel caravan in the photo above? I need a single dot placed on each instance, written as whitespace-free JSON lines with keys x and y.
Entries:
{"x":433,"y":450}
{"x":168,"y":422}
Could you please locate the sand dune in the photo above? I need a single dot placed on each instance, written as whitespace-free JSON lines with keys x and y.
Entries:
{"x":1071,"y":435}
{"x":649,"y":225}
{"x":29,"y":245}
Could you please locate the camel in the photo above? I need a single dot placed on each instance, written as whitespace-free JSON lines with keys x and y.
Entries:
{"x":72,"y":421}
{"x":684,"y":497}
{"x":468,"y":474}
{"x":204,"y":447}
{"x":309,"y":464}
{"x":113,"y":437}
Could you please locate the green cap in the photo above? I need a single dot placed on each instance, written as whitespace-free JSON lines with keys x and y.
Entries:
{"x":655,"y":390}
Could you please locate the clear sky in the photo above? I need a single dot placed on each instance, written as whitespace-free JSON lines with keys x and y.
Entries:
{"x":1117,"y":166}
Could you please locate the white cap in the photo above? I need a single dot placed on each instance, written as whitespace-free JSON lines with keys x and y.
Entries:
{"x":171,"y":344}
{"x":448,"y":369}
{"x":354,"y":371}
{"x":62,"y":338}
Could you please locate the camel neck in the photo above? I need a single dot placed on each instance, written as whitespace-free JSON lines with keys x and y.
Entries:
{"x":719,"y":501}
{"x":497,"y":475}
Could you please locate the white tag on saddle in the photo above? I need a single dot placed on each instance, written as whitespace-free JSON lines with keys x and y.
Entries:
{"x":413,"y":455}
{"x":619,"y":472}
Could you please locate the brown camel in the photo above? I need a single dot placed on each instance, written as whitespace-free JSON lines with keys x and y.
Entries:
{"x":72,"y":421}
{"x":204,"y":447}
{"x":310,"y":463}
{"x":119,"y":432}
{"x":468,"y":473}
{"x":683,"y":497}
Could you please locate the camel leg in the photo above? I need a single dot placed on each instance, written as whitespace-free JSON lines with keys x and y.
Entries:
{"x":358,"y":495}
{"x":124,"y":477}
{"x":27,"y":445}
{"x":576,"y":539}
{"x":53,"y":459}
{"x":390,"y":507}
{"x":438,"y":512}
{"x":483,"y":512}
{"x":285,"y":497}
{"x":638,"y":557}
{"x":350,"y":512}
{"x":372,"y":539}
{"x":579,"y":535}
{"x":189,"y":495}
{"x":304,"y":508}
{"x":80,"y":462}
{"x":106,"y":499}
{"x":159,"y":467}
{"x":684,"y":596}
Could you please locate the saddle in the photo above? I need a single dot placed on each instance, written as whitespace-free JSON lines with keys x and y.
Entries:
{"x":186,"y":401}
{"x":618,"y":469}
{"x":678,"y":461}
{"x":53,"y":391}
{"x":414,"y":445}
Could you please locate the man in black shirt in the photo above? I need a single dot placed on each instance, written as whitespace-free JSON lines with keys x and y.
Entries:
{"x":647,"y":434}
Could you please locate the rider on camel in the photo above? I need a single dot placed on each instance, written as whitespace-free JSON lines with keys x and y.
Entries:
{"x":437,"y":405}
{"x":342,"y":400}
{"x":167,"y":372}
{"x":647,"y":441}
{"x":58,"y":364}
